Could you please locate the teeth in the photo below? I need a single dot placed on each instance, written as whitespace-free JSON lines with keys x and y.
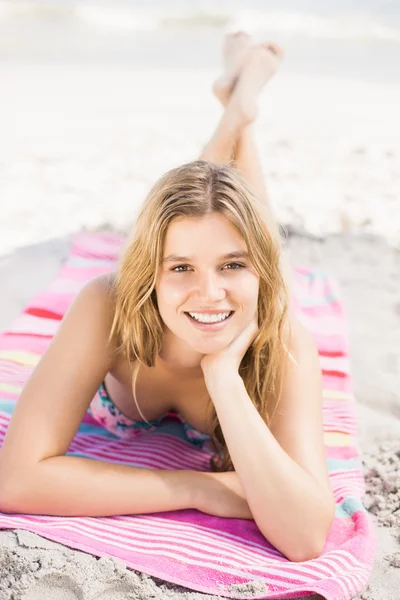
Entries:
{"x":210,"y":318}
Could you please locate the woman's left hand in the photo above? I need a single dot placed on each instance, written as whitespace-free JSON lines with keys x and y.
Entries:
{"x":230,"y":357}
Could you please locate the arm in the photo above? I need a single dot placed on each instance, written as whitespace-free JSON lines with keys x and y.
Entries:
{"x":283,"y":472}
{"x":35,"y":475}
{"x":71,"y":486}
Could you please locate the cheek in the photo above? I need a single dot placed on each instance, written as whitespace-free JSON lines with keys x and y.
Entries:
{"x":170,"y":293}
{"x":249,"y":288}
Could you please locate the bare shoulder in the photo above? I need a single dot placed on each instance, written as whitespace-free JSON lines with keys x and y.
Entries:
{"x":104,"y":283}
{"x":95,"y":304}
{"x":294,"y":332}
{"x":100,"y":291}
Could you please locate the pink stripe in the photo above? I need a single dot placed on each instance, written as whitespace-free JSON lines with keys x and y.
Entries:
{"x":83,"y":274}
{"x":167,"y":446}
{"x":58,"y":302}
{"x":152,"y":459}
{"x":23,"y":344}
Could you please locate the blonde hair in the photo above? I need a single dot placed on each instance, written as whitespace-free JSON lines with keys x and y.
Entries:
{"x":198,"y":189}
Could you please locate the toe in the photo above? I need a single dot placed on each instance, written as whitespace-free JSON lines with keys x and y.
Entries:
{"x":241,"y":33}
{"x":275,"y":48}
{"x":238,"y":36}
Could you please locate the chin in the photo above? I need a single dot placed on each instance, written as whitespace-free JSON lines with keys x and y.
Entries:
{"x":208,"y":347}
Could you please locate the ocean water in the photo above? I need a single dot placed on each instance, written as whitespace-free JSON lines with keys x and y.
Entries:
{"x":347,"y":38}
{"x":340,"y":19}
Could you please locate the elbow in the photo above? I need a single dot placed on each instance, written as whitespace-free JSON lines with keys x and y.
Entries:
{"x":301,"y":552}
{"x":316,"y":548}
{"x":307,"y":554}
{"x":7,"y":498}
{"x":12,"y":490}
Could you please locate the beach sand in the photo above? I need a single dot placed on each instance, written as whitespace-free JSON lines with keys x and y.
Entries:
{"x":367,"y":268}
{"x":81,"y":146}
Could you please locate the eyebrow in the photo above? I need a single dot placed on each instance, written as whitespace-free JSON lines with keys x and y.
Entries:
{"x":175,"y":258}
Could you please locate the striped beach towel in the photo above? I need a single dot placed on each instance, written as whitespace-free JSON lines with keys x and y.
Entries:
{"x":227,"y":557}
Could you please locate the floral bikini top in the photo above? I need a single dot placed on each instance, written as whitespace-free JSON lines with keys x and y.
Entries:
{"x":104,"y":411}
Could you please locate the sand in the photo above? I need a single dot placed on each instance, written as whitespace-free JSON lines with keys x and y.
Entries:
{"x":81,"y":146}
{"x":32,"y":567}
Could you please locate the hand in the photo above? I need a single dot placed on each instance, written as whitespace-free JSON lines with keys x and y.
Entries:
{"x":230,"y":357}
{"x":222,"y":495}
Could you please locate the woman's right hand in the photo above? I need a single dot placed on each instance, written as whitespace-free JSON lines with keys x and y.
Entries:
{"x":221,"y":495}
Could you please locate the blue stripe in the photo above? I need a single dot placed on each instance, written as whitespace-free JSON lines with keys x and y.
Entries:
{"x":175,"y":429}
{"x":336,"y":464}
{"x":348,"y":507}
{"x":7,"y":405}
{"x":79,"y":455}
{"x":317,"y":275}
{"x":319,"y":301}
{"x":88,"y":429}
{"x":109,"y":460}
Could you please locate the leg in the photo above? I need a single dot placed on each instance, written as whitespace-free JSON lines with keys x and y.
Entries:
{"x":246,"y":159}
{"x":233,"y":143}
{"x":247,"y":68}
{"x":222,"y":146}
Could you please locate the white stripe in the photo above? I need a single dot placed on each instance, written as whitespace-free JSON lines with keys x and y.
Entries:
{"x":162,"y":551}
{"x":335,"y":363}
{"x":62,"y":285}
{"x":31,"y":324}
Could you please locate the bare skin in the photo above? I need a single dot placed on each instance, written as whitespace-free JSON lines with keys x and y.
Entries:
{"x":235,"y":49}
{"x":247,"y":69}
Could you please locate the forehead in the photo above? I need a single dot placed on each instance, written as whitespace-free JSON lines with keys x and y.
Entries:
{"x":214,"y":232}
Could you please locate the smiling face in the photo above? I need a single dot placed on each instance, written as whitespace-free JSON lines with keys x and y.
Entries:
{"x":204,"y":280}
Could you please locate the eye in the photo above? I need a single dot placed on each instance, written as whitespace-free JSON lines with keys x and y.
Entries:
{"x":238,"y":265}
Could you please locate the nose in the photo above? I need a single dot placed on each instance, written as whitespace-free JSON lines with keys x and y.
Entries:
{"x":209,"y":289}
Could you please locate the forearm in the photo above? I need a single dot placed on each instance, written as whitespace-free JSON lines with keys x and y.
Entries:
{"x":74,"y":486}
{"x":287,"y":504}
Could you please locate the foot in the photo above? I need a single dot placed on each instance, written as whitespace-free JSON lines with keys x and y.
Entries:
{"x":261,"y":63}
{"x":234,"y":53}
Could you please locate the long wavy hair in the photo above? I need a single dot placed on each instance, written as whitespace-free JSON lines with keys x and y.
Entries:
{"x":198,"y":189}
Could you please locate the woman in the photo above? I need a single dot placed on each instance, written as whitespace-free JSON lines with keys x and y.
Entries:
{"x":140,"y":343}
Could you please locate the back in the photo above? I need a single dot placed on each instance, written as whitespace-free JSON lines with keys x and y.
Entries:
{"x":59,"y":391}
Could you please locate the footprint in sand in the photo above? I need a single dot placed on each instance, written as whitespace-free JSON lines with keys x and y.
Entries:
{"x":116,"y":591}
{"x":55,"y":586}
